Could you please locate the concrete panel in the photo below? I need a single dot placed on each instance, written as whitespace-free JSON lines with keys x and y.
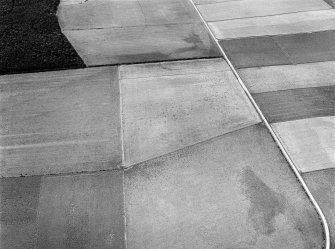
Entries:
{"x":246,"y":8}
{"x":296,"y":104}
{"x":165,"y":113}
{"x":142,"y":44}
{"x":321,"y":184}
{"x":18,"y":216}
{"x":254,"y":52}
{"x":284,"y":77}
{"x":310,"y":142}
{"x":81,"y":211}
{"x":197,"y":2}
{"x":235,"y":191}
{"x":123,"y":13}
{"x":302,"y":22}
{"x":58,"y":122}
{"x":311,"y":47}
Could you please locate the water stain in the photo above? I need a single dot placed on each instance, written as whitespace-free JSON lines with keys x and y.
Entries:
{"x":265,"y":203}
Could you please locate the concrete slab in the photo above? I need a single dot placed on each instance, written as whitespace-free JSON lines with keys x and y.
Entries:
{"x":122,"y":13}
{"x":197,"y":2}
{"x":81,"y":211}
{"x":311,"y":47}
{"x":165,"y":113}
{"x":310,"y":142}
{"x":142,"y":44}
{"x":18,"y":204}
{"x":321,"y":184}
{"x":235,"y":191}
{"x":254,"y":52}
{"x":301,"y":22}
{"x":330,"y":2}
{"x":59,"y":122}
{"x":296,"y":104}
{"x":284,"y":77}
{"x":246,"y":8}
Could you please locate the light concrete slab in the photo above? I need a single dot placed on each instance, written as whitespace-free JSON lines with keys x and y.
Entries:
{"x":285,"y":77}
{"x":235,"y":191}
{"x":81,"y":211}
{"x":59,"y":122}
{"x":294,"y":104}
{"x":310,"y":142}
{"x":255,"y":8}
{"x":301,"y":22}
{"x":123,"y":13}
{"x":321,"y":184}
{"x":309,"y":47}
{"x":142,"y":44}
{"x":165,"y":113}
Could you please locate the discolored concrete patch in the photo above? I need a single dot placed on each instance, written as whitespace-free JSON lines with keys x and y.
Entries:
{"x":234,"y":191}
{"x":310,"y":142}
{"x":167,"y":106}
{"x":60,"y":122}
{"x":281,"y":106}
{"x":321,"y":184}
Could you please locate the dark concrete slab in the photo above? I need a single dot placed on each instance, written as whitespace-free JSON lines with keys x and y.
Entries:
{"x":59,"y":122}
{"x":235,"y":191}
{"x":254,"y":52}
{"x":330,"y":2}
{"x":143,"y":43}
{"x":18,"y":204}
{"x":308,"y":47}
{"x":295,"y":104}
{"x":81,"y":211}
{"x":321,"y":184}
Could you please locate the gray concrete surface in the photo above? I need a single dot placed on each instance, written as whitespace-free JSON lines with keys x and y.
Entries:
{"x":285,"y":77}
{"x":310,"y":142}
{"x":321,"y":184}
{"x":166,"y":108}
{"x":59,"y":122}
{"x":295,"y":104}
{"x":235,"y":191}
{"x":300,"y":22}
{"x":247,"y":8}
{"x":63,"y":212}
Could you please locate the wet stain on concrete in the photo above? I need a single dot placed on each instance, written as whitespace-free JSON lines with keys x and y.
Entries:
{"x":265,"y":204}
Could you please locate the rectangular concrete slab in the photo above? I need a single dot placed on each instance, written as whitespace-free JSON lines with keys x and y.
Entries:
{"x":310,"y":142}
{"x":284,"y":77}
{"x":59,"y":122}
{"x":254,"y":52}
{"x":247,"y":8}
{"x":235,"y":191}
{"x":296,"y":104}
{"x":142,"y":44}
{"x":310,"y":47}
{"x":81,"y":211}
{"x":301,"y":22}
{"x":123,"y":13}
{"x":322,"y":187}
{"x":164,"y":113}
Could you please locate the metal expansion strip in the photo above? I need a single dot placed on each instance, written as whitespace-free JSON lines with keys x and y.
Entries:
{"x":273,"y":134}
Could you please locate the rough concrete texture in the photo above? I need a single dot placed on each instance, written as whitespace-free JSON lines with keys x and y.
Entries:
{"x":254,"y":52}
{"x":235,"y":191}
{"x":280,"y":106}
{"x":31,"y":38}
{"x":67,"y":212}
{"x":321,"y":184}
{"x":142,"y":43}
{"x":285,"y":77}
{"x":246,"y":8}
{"x":166,"y":106}
{"x":59,"y":122}
{"x":301,"y":22}
{"x":123,"y":13}
{"x":310,"y":142}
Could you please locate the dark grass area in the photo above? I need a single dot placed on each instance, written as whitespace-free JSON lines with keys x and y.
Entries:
{"x":31,"y":39}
